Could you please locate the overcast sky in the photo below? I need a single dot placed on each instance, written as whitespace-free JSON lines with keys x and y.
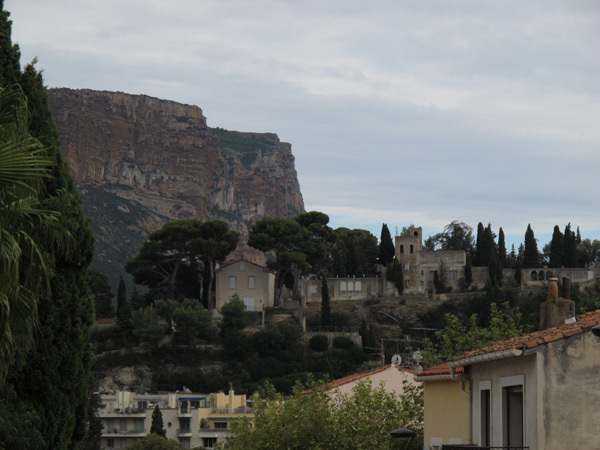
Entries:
{"x":400,"y":112}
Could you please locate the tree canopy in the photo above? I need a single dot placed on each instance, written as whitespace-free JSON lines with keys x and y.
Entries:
{"x":386,"y":246}
{"x":171,"y":260}
{"x":313,"y":417}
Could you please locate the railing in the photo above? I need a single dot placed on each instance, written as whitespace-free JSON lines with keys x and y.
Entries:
{"x":473,"y":446}
{"x":332,"y":329}
{"x":126,"y":431}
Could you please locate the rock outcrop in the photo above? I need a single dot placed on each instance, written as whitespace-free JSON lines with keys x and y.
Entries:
{"x":141,"y":161}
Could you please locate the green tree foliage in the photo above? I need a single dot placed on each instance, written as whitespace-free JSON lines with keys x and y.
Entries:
{"x":456,"y":236}
{"x":479,"y":259}
{"x":386,"y":246}
{"x":588,"y":252}
{"x":146,"y":327}
{"x":502,"y":257}
{"x":394,"y":274}
{"x":154,"y":442}
{"x":406,"y":230}
{"x":94,"y":425}
{"x":570,"y":247}
{"x":459,"y":336}
{"x":438,"y":283}
{"x":26,"y":268}
{"x":103,"y":296}
{"x":518,"y":274}
{"x":234,"y":316}
{"x":531,"y":256}
{"x":157,"y":426}
{"x":300,"y":244}
{"x":123,"y":309}
{"x":468,"y":271}
{"x":557,"y":249}
{"x":171,"y":260}
{"x":319,"y":343}
{"x":192,"y":322}
{"x":325,"y":305}
{"x":316,"y":418}
{"x":354,"y":252}
{"x":136,"y":300}
{"x":51,"y":384}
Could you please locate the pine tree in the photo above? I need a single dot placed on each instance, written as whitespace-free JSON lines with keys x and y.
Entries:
{"x":157,"y":426}
{"x":325,"y":305}
{"x":52,"y":384}
{"x":386,"y":246}
{"x":531,"y":256}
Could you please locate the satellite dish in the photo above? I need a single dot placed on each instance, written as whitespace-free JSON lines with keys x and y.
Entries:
{"x":396,"y":360}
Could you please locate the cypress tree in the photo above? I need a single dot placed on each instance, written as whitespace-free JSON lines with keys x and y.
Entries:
{"x":479,"y":246}
{"x":570,"y":247}
{"x":325,"y":305}
{"x":157,"y":426}
{"x":518,"y":271}
{"x":386,"y":246}
{"x":531,"y":256}
{"x":468,"y":271}
{"x":53,"y":383}
{"x":501,"y":249}
{"x":557,"y":248}
{"x":123,"y":310}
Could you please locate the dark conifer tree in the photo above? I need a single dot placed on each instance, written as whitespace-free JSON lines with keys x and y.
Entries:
{"x":531,"y":256}
{"x":325,"y":303}
{"x":480,"y":247}
{"x":468,"y":271}
{"x":157,"y":426}
{"x":394,"y":274}
{"x":123,"y":309}
{"x":518,"y":271}
{"x":557,"y":246}
{"x":578,"y":237}
{"x":570,"y":258}
{"x":386,"y":246}
{"x":52,"y":383}
{"x":136,"y":300}
{"x":501,"y":249}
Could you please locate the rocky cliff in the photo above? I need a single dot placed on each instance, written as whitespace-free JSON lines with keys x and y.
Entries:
{"x":140,"y":161}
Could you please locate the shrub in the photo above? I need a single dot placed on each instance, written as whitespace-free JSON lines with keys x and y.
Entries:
{"x":342,"y":342}
{"x":319,"y":343}
{"x":340,"y":318}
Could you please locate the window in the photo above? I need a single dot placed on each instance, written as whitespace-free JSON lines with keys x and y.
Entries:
{"x":343,"y":287}
{"x":513,"y":430}
{"x":402,"y":249}
{"x":209,"y":442}
{"x":142,"y":405}
{"x":250,"y":282}
{"x":357,"y":286}
{"x":221,"y":425}
{"x":184,"y":407}
{"x":406,"y":267}
{"x":406,"y":284}
{"x":485,"y":398}
{"x":138,"y":425}
{"x":184,"y":424}
{"x":185,"y":443}
{"x":412,"y":249}
{"x":110,"y":443}
{"x":242,"y":266}
{"x":231,"y":282}
{"x":350,"y":286}
{"x":123,"y":424}
{"x":534,"y":276}
{"x":453,"y":275}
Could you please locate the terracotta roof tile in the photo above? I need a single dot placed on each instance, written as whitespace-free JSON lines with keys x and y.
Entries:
{"x":584,"y":322}
{"x":442,"y":369}
{"x":106,"y":321}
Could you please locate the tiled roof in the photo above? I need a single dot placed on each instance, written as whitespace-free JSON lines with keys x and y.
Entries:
{"x":441,"y":370}
{"x":584,"y":323}
{"x":357,"y":376}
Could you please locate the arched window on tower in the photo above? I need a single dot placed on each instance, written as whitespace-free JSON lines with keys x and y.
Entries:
{"x":412,"y":248}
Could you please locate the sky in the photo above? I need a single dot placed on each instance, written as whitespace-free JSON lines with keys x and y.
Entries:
{"x":398,"y":112}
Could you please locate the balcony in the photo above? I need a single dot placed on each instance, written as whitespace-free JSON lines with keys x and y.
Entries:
{"x":116,"y":432}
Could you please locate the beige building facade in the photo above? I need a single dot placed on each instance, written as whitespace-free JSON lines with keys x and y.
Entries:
{"x":253,"y":283}
{"x":191,"y":419}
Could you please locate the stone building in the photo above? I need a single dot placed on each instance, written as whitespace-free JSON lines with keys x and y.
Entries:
{"x":419,"y":266}
{"x":253,"y":283}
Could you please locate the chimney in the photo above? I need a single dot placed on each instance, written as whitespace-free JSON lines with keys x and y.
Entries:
{"x":231,"y":398}
{"x":555,"y":310}
{"x":566,"y":282}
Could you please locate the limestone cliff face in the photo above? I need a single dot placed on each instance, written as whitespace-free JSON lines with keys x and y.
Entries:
{"x":141,"y":161}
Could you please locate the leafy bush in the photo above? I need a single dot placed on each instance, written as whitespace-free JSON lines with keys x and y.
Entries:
{"x":319,"y":343}
{"x":342,"y":342}
{"x":341,"y":318}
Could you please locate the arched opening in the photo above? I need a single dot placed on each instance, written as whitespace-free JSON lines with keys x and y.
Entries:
{"x":416,"y":233}
{"x":533,"y":275}
{"x":541,"y":277}
{"x":401,"y":248}
{"x":549,"y":274}
{"x":411,"y":248}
